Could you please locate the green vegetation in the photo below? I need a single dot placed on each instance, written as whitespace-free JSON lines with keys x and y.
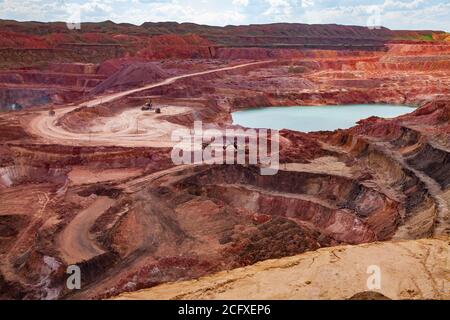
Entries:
{"x":427,"y":37}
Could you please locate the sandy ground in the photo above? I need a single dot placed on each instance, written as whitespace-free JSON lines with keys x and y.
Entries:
{"x":80,"y":175}
{"x":409,"y":270}
{"x":323,"y":165}
{"x":75,"y":242}
{"x":131,"y":128}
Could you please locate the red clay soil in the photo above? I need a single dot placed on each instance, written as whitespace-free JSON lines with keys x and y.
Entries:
{"x":133,"y":75}
{"x":382,"y":180}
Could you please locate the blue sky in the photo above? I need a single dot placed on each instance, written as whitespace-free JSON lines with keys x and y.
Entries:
{"x":394,"y":14}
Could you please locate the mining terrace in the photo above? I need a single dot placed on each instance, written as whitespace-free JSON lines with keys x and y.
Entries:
{"x":86,"y":176}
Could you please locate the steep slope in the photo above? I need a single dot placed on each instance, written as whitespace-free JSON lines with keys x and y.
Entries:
{"x":137,"y":74}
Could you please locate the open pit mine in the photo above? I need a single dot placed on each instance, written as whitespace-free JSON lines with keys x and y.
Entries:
{"x":88,"y":183}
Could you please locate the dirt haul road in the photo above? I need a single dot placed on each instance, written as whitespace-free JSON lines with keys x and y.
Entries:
{"x":75,"y":242}
{"x":131,"y":128}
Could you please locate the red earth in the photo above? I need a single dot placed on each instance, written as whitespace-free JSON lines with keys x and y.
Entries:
{"x":94,"y":185}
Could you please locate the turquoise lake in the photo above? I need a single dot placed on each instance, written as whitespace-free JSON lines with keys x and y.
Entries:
{"x":315,"y":118}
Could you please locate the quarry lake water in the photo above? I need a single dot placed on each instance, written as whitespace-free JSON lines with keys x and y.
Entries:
{"x":315,"y":118}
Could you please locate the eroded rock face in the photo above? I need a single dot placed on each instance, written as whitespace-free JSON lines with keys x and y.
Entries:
{"x":338,"y":205}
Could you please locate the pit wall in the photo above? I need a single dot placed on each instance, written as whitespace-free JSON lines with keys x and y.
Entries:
{"x":409,"y":189}
{"x":381,"y":214}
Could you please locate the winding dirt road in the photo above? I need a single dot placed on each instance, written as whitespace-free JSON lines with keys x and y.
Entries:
{"x":75,"y":242}
{"x":132,"y":128}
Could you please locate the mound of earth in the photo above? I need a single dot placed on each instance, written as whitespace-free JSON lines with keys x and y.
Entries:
{"x":133,"y":75}
{"x":111,"y":66}
{"x":369,"y":295}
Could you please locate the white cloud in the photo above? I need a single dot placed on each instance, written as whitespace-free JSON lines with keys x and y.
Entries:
{"x":281,"y":9}
{"x":241,"y":3}
{"x":392,"y":4}
{"x":394,"y":14}
{"x":178,"y":11}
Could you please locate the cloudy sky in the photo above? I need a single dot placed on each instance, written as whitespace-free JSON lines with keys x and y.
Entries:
{"x":394,"y":14}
